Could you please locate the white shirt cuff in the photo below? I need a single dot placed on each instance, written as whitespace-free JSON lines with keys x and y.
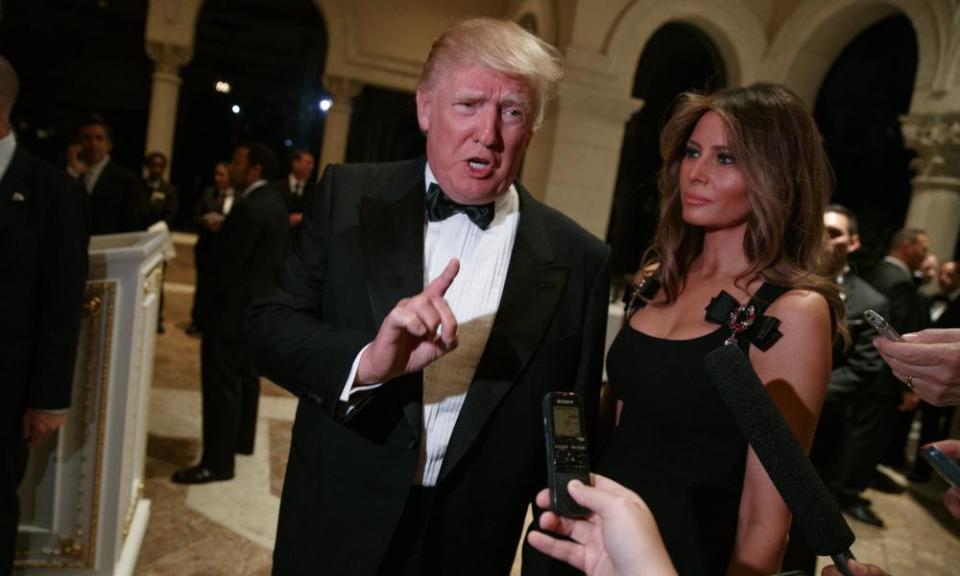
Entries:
{"x":349,"y":389}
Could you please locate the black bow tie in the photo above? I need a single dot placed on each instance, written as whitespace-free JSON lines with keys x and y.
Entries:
{"x":440,"y":207}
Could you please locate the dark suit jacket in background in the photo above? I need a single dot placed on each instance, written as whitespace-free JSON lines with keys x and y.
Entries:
{"x":117,"y":202}
{"x":204,"y":251}
{"x":161,"y":202}
{"x":909,"y":311}
{"x":855,"y":368}
{"x":43,"y":247}
{"x":360,"y":251}
{"x":295,"y":202}
{"x":249,"y":253}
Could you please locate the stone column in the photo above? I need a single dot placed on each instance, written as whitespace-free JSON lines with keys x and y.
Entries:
{"x":572,"y":161}
{"x":337,"y":125}
{"x":168,"y":59}
{"x":935,"y":204}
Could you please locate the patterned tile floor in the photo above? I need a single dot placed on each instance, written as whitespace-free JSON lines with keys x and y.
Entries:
{"x":227,"y":528}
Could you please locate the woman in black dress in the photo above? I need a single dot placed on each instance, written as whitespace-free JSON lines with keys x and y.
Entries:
{"x":734,"y":261}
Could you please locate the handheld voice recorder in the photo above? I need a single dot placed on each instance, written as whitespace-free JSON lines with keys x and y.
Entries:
{"x":567,"y":455}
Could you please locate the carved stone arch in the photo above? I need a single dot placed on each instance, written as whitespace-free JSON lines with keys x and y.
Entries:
{"x":814,"y":36}
{"x":733,"y":29}
{"x":337,"y":20}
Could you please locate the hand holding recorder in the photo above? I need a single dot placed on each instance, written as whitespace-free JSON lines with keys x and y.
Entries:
{"x":619,"y":536}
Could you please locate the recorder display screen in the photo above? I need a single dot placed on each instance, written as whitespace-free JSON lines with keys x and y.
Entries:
{"x":566,"y":421}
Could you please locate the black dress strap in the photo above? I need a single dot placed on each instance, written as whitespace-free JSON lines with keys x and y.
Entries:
{"x":748,"y":320}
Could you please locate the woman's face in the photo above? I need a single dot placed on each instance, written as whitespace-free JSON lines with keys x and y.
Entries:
{"x":713,"y":192}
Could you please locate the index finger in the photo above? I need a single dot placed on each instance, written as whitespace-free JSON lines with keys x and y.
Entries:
{"x":949,"y":447}
{"x":438,"y":286}
{"x":913,"y":353}
{"x":934,"y":336}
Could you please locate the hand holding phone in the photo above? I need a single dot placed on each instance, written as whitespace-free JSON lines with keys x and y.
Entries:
{"x":946,"y":466}
{"x":567,"y":455}
{"x":881,"y":325}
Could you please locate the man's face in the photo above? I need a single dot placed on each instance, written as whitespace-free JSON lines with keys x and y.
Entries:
{"x":917,"y":252}
{"x":948,"y":278}
{"x":302,"y":167}
{"x":240,"y":173}
{"x":155,"y":167}
{"x":840,"y":242}
{"x":95,"y":143}
{"x":478,"y":124}
{"x":221,"y":177}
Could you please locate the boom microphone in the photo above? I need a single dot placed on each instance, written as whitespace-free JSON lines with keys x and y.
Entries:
{"x":799,"y":484}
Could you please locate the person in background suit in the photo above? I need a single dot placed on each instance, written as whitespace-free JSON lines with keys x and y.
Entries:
{"x":211,"y":209}
{"x":850,"y":436}
{"x":298,"y":185}
{"x":117,"y":200}
{"x":935,"y":420}
{"x":161,"y":195}
{"x":249,"y":256}
{"x":426,"y":309}
{"x":43,"y":247}
{"x":909,"y":312}
{"x":161,"y":201}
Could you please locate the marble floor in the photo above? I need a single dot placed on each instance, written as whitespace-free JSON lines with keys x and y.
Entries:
{"x":227,"y":528}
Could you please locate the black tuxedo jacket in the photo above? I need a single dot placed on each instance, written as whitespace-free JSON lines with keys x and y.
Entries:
{"x":360,"y":250}
{"x":43,"y":252}
{"x":117,"y":202}
{"x":249,"y":253}
{"x":856,"y":368}
{"x":909,"y":311}
{"x":296,"y":202}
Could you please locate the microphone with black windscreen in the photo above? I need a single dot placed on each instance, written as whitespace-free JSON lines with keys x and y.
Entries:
{"x":813,"y":508}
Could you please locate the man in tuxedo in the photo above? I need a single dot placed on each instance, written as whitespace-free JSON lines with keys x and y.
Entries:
{"x":161,"y":195}
{"x":43,"y":247}
{"x":298,"y":185}
{"x":850,"y":435}
{"x":909,"y":312}
{"x":249,"y":255}
{"x":209,"y":212}
{"x":161,"y":201}
{"x":426,"y":309}
{"x":117,"y":200}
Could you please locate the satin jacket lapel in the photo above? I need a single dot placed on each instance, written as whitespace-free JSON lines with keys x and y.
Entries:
{"x":533,"y":287}
{"x":391,"y":229}
{"x":14,"y":191}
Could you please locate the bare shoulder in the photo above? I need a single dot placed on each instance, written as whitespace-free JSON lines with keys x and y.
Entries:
{"x":802,"y":312}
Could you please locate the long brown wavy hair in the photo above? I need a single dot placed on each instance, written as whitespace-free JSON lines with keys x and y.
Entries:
{"x":780,"y":153}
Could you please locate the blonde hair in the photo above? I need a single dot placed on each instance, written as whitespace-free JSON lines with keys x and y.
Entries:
{"x":500,"y":45}
{"x":780,"y":153}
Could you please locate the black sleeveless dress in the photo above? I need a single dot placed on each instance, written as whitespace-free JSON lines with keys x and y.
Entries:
{"x":677,"y":444}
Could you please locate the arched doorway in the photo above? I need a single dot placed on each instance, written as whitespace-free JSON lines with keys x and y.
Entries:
{"x":678,"y":57}
{"x":269,"y":65}
{"x":384,"y":127}
{"x":867,"y":89}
